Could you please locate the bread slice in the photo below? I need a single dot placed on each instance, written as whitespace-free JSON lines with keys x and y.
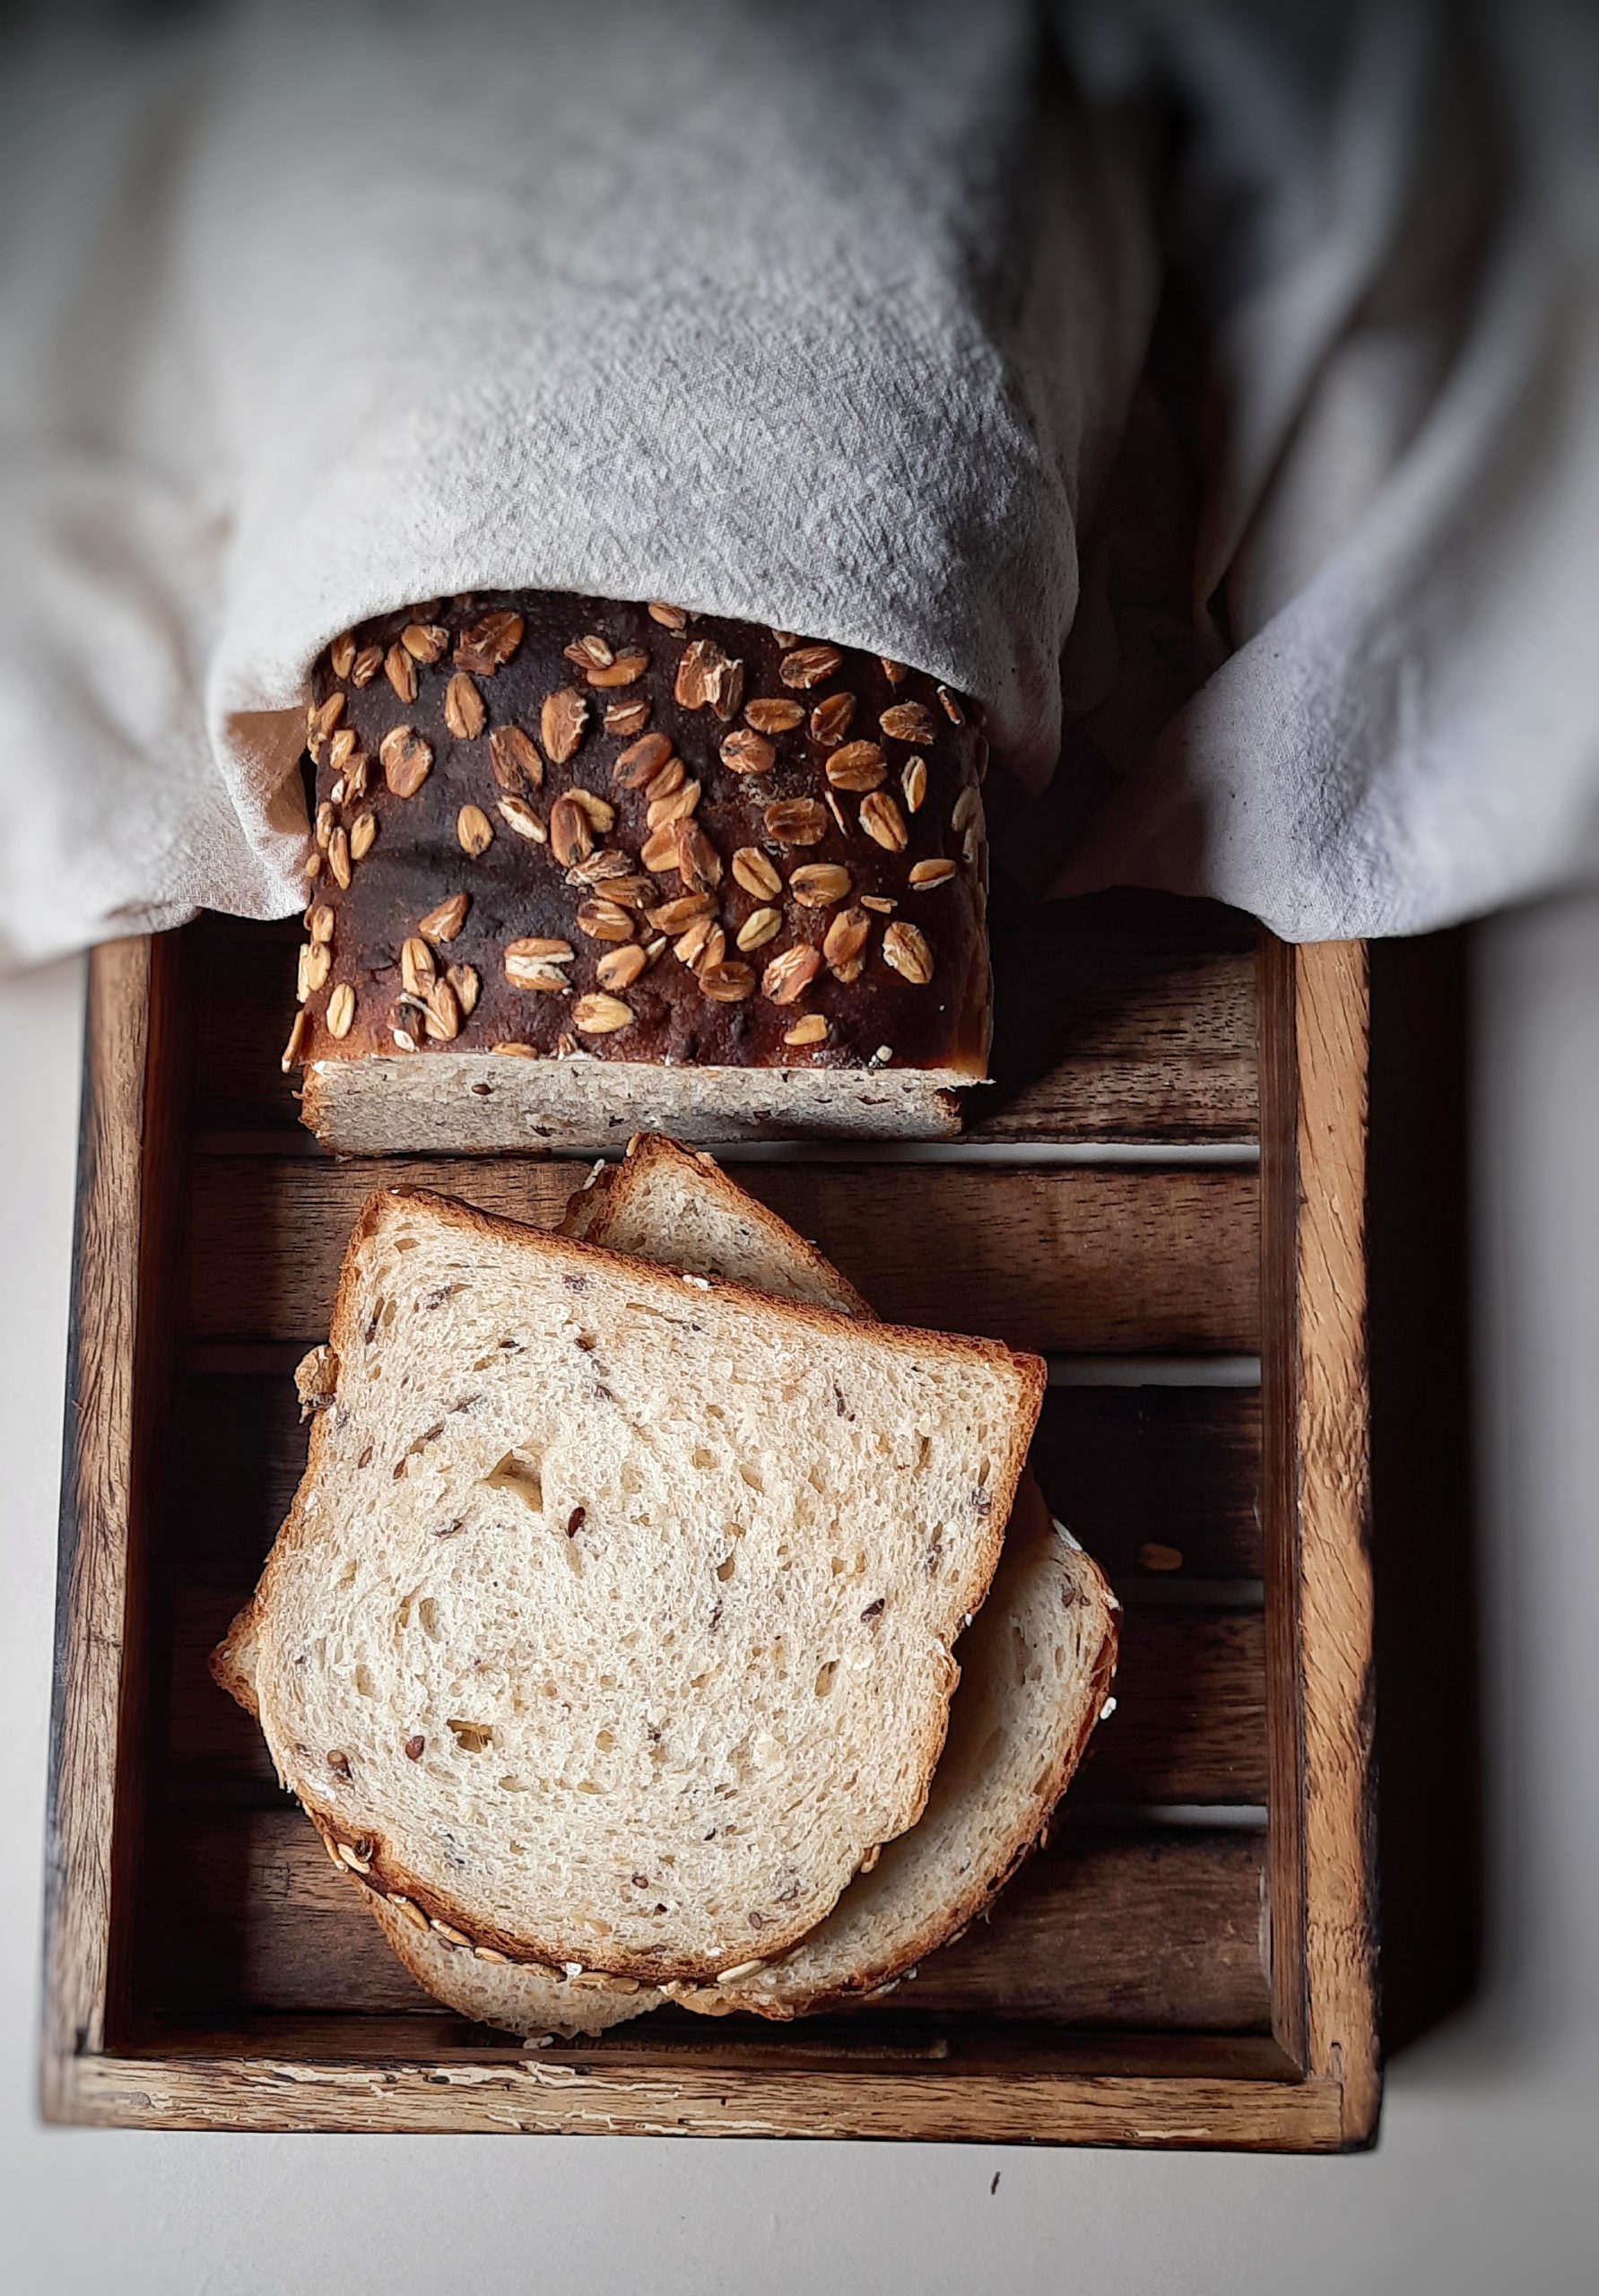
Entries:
{"x":664,"y":1204}
{"x":639,"y":1478}
{"x":1036,"y":1666}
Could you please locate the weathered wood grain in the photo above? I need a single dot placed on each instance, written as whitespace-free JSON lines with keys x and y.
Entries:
{"x":1165,"y":1930}
{"x":933,"y":2103}
{"x":1189,"y":1724}
{"x":1075,"y":1261}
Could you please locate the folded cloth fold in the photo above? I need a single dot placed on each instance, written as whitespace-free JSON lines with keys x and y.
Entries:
{"x":833,"y":318}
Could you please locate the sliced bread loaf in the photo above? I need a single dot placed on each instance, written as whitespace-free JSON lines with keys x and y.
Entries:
{"x":1037,"y":1665}
{"x":665,"y":1203}
{"x":584,"y":1554}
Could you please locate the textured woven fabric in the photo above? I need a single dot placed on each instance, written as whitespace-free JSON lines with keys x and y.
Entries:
{"x":830,"y":317}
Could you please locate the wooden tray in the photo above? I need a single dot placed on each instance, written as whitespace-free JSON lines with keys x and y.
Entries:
{"x":1165,"y":1195}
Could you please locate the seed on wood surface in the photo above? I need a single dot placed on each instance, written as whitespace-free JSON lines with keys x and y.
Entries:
{"x":467,"y":984}
{"x":605,"y":920}
{"x":445,"y":922}
{"x":406,"y":760}
{"x":621,"y":968}
{"x":474,"y":832}
{"x":625,"y":670}
{"x":629,"y":717}
{"x":675,"y":916}
{"x":727,"y":983}
{"x":517,"y":814}
{"x":699,"y":863}
{"x":562,"y":716}
{"x":296,"y":1036}
{"x":813,"y":1030}
{"x":363,"y":836}
{"x":341,"y":655}
{"x":601,"y":1015}
{"x":676,"y":806}
{"x":424,"y":641}
{"x":590,"y":653}
{"x":641,"y":761}
{"x":753,"y":870}
{"x":845,"y":939}
{"x":763,"y":924}
{"x":707,"y":678}
{"x":571,"y":833}
{"x":796,"y":820}
{"x":319,"y":922}
{"x":463,"y":711}
{"x":744,"y":752}
{"x":669,"y":617}
{"x":808,"y":666}
{"x":513,"y":761}
{"x":789,"y":975}
{"x":341,"y":1009}
{"x":910,"y":952}
{"x":338,"y":858}
{"x":883,"y":822}
{"x":443,"y":1013}
{"x":896,"y":673}
{"x":366,"y":666}
{"x":927,"y":875}
{"x":400,"y":671}
{"x":820,"y":884}
{"x":966,"y":809}
{"x":914,"y":782}
{"x":858,"y":765}
{"x":485,"y":646}
{"x":910,"y":721}
{"x":770,"y":714}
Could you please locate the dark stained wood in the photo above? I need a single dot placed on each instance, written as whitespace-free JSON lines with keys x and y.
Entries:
{"x":1189,"y":1724}
{"x":1126,"y":1017}
{"x":1131,"y":1018}
{"x":1082,"y":1262}
{"x":211,"y":1969}
{"x":1165,"y":1930}
{"x":1128,"y":1470}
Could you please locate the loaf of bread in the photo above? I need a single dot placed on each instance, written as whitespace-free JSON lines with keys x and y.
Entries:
{"x":514,"y":1649}
{"x":583,"y":869}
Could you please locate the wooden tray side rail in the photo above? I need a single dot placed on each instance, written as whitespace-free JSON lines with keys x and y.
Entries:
{"x":1190,"y":1964}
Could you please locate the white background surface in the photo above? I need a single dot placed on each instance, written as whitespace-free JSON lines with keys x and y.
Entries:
{"x":1487,"y":2177}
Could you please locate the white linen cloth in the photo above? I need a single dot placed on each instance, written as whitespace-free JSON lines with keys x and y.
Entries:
{"x":829,"y":316}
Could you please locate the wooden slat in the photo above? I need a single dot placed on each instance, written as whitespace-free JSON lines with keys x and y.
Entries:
{"x":1127,"y":1018}
{"x":1141,"y":1476}
{"x":1189,"y":1724}
{"x":1130,"y":1017}
{"x":1161,"y":1485}
{"x":244,"y":1911}
{"x":1233,"y":2108}
{"x":1080,"y":1261}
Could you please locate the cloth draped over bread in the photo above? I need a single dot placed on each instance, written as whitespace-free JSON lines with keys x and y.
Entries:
{"x":847,"y":320}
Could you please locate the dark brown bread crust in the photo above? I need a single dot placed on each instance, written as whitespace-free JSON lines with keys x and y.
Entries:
{"x":386,"y":862}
